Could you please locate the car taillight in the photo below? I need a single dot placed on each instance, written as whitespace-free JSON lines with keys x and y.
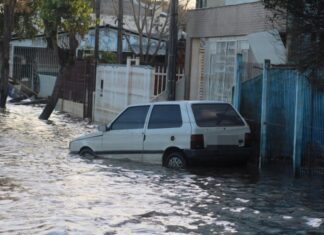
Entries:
{"x":248,"y":139}
{"x":197,"y":142}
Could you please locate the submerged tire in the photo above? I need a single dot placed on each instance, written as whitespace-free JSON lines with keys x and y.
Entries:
{"x":86,"y":152}
{"x":175,"y":160}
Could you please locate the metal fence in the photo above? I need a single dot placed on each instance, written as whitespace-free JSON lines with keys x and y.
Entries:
{"x":37,"y":70}
{"x":34,"y":68}
{"x":312,"y":131}
{"x":280,"y":113}
{"x":285,"y":112}
{"x":79,"y":85}
{"x":160,"y":78}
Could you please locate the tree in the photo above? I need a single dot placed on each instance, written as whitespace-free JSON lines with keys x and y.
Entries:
{"x":150,"y":18}
{"x":16,"y":16}
{"x":150,"y":24}
{"x":7,"y":26}
{"x":72,"y":17}
{"x":305,"y":32}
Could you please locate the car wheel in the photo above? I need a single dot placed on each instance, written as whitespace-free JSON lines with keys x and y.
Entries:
{"x":176,"y":160}
{"x":86,"y":152}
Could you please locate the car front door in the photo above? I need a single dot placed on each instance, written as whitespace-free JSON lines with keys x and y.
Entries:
{"x":124,"y":138}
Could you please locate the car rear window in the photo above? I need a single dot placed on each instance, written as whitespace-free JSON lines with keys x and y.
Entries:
{"x":216,"y":115}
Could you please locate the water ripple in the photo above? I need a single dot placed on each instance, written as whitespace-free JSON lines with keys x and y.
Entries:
{"x":45,"y":190}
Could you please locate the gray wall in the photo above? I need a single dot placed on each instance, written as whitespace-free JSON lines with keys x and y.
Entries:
{"x":232,"y":20}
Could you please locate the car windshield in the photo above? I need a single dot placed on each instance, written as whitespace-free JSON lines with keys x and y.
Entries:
{"x":216,"y":115}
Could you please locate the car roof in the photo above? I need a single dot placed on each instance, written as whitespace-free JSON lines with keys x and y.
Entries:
{"x":181,"y":102}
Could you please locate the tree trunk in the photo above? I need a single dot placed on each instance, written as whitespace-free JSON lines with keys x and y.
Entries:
{"x":8,"y":25}
{"x":4,"y":73}
{"x":52,"y":101}
{"x":66,"y":61}
{"x":51,"y":104}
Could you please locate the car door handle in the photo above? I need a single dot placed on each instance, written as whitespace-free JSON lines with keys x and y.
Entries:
{"x":144,"y":137}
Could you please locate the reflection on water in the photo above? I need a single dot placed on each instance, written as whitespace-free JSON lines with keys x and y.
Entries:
{"x":44,"y":190}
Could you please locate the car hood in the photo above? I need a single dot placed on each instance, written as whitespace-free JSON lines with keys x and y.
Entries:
{"x":88,"y":136}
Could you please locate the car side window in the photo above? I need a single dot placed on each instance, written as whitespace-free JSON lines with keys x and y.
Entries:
{"x":131,"y":118}
{"x":165,"y":116}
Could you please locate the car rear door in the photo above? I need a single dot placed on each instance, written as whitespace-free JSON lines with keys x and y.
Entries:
{"x":168,"y":126}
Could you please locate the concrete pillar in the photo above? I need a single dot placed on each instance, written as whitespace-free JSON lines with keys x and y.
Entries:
{"x":194,"y":69}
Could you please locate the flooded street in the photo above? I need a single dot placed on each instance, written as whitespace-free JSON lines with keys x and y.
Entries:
{"x":45,"y":190}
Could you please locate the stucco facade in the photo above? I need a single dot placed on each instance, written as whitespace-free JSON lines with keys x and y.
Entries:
{"x":214,"y":33}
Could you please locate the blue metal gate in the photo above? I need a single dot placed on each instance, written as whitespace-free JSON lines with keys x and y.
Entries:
{"x":294,"y":117}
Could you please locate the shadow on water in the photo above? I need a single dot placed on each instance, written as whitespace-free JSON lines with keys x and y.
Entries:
{"x":8,"y":185}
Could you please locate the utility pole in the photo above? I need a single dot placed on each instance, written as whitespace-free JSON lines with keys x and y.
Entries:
{"x":96,"y":49}
{"x":93,"y":77}
{"x":120,"y":31}
{"x":172,"y":50}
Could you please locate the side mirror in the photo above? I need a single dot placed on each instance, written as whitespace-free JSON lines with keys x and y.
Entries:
{"x":102,"y":128}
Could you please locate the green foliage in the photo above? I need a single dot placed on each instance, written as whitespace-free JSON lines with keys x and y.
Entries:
{"x":69,"y":16}
{"x":295,"y":7}
{"x":304,"y":21}
{"x":108,"y":57}
{"x":72,"y":16}
{"x":25,"y":18}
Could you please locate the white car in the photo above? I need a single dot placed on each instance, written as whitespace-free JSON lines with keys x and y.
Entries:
{"x":171,"y":133}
